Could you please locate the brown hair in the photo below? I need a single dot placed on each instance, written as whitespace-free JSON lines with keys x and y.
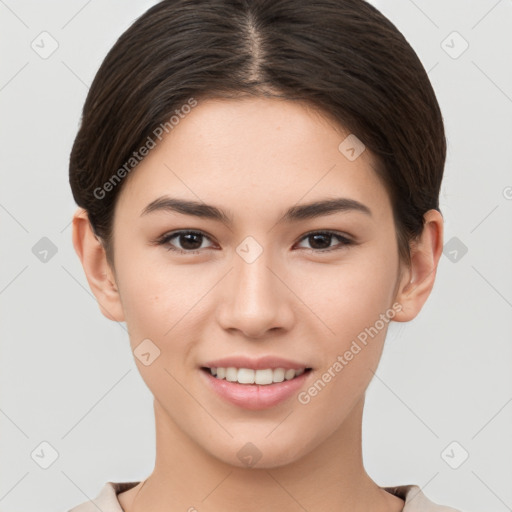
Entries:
{"x":340,"y":56}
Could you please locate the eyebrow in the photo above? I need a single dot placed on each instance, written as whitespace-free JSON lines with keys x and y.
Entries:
{"x":293,"y":214}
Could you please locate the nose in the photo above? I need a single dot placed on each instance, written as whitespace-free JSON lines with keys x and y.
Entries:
{"x":256,"y":299}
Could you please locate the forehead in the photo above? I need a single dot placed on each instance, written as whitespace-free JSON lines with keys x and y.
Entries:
{"x":261,"y":151}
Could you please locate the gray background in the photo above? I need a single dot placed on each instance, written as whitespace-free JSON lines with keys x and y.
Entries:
{"x":67,"y":376}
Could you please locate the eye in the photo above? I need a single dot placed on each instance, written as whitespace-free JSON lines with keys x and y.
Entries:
{"x":190,"y":241}
{"x":321,"y":241}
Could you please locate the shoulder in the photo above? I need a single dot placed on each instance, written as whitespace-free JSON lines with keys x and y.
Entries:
{"x":416,"y":501}
{"x":106,"y":500}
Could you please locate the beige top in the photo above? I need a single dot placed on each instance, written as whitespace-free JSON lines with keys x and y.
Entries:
{"x":106,"y":501}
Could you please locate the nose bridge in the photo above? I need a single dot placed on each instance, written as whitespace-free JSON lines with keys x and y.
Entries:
{"x":255,"y":284}
{"x":256,"y":300}
{"x":254,"y":280}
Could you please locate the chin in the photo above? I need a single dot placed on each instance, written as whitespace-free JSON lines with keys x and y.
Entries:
{"x":259,"y":451}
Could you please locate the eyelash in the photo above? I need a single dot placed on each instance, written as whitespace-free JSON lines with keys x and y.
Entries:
{"x":165,"y":239}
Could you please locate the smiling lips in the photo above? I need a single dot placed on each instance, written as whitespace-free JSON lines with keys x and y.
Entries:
{"x":263,"y":371}
{"x":255,"y":383}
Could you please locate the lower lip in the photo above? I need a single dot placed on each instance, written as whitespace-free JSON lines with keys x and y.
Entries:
{"x":254,"y":396}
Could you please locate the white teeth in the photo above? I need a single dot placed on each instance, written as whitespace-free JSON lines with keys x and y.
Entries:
{"x":231,"y":374}
{"x":289,"y":374}
{"x":278,"y":375}
{"x":261,"y":377}
{"x":246,"y":376}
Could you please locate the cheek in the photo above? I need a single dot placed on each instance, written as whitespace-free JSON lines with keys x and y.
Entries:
{"x":146,"y":292}
{"x":355,"y":303}
{"x":165,"y":303}
{"x":162,"y":311}
{"x":351,"y":297}
{"x":358,"y":310}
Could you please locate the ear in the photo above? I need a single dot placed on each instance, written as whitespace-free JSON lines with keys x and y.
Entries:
{"x":417,"y":280}
{"x":99,"y":274}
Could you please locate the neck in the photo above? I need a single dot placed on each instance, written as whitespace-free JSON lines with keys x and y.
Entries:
{"x":330,"y":477}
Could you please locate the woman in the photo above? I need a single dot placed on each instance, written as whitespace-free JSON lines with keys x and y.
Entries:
{"x":258,"y":185}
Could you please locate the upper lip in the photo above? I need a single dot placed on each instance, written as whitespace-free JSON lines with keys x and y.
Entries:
{"x":259,"y":363}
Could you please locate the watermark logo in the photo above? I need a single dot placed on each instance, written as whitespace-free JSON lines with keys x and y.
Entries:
{"x":455,"y":249}
{"x":249,"y":249}
{"x":44,"y":455}
{"x":351,"y":147}
{"x":45,"y":45}
{"x":44,"y":250}
{"x":304,"y":397}
{"x":454,"y":45}
{"x":249,"y":454}
{"x":146,"y":352}
{"x":137,"y":156}
{"x":455,"y":455}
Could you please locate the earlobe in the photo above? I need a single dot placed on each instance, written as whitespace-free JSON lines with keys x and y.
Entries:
{"x":417,"y":282}
{"x":99,"y":274}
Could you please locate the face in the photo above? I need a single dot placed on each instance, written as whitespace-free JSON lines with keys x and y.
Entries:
{"x":255,"y":282}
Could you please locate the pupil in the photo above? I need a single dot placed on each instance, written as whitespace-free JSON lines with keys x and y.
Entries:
{"x":189,"y":241}
{"x":317,"y":237}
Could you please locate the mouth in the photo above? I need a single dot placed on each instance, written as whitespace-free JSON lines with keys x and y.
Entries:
{"x":250,"y":376}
